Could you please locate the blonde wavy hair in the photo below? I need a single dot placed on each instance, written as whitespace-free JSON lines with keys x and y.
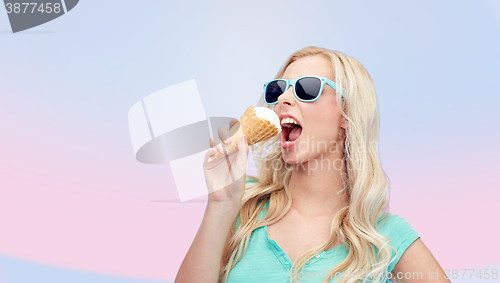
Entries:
{"x":364,"y":181}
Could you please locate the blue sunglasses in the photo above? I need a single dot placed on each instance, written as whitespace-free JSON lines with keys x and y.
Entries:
{"x":306,"y":89}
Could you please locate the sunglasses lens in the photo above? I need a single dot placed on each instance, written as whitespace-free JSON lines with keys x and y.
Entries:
{"x":273,"y":90}
{"x":308,"y":88}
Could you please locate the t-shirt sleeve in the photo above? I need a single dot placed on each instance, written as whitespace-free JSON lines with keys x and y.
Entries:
{"x":402,"y":236}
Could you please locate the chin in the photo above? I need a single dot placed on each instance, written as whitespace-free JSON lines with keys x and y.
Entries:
{"x":293,"y":158}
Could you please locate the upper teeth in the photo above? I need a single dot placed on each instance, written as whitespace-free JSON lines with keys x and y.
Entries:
{"x":286,"y":122}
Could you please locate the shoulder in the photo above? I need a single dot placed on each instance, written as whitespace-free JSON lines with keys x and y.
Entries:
{"x":400,"y":233}
{"x":393,"y":224}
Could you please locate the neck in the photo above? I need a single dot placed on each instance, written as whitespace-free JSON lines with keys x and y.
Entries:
{"x":317,"y":189}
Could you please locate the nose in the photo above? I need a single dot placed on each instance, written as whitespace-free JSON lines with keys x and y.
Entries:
{"x":287,"y":97}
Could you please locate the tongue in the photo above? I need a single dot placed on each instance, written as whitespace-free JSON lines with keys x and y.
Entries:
{"x":295,"y":133}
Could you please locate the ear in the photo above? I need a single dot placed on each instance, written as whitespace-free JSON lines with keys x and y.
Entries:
{"x":343,"y":122}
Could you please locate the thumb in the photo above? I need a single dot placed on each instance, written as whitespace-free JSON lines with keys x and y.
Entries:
{"x":242,"y":152}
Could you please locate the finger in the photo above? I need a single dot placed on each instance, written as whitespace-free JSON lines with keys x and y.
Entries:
{"x":232,"y":122}
{"x":219,"y":145}
{"x":242,"y":157}
{"x":243,"y":145}
{"x":216,"y":142}
{"x":224,"y":134}
{"x":210,"y":152}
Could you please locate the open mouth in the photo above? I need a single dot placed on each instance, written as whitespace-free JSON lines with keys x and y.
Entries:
{"x":290,"y":134}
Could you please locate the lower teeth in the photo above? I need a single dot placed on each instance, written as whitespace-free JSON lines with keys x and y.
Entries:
{"x":288,"y":141}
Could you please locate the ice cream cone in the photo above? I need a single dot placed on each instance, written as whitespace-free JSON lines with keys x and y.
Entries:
{"x":258,"y":124}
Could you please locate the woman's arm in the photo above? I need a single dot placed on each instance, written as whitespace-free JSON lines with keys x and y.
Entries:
{"x":203,"y":260}
{"x":226,"y":246}
{"x":225,"y":179}
{"x":418,"y":265}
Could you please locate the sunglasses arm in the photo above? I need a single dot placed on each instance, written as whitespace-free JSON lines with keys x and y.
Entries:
{"x":334,"y":86}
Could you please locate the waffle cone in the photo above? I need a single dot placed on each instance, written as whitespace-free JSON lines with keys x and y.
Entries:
{"x":255,"y":128}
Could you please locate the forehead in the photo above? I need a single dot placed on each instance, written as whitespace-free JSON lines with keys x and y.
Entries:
{"x":315,"y":65}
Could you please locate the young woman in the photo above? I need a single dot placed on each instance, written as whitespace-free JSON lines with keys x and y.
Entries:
{"x":316,"y":212}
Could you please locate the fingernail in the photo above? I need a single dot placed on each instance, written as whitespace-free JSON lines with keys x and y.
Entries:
{"x":229,"y":140}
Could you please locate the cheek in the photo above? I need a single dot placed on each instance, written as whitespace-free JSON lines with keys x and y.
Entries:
{"x":322,"y":115}
{"x":326,"y":123}
{"x":276,"y":110}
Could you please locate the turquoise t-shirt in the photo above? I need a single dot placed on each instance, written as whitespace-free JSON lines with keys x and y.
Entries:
{"x":265,"y":261}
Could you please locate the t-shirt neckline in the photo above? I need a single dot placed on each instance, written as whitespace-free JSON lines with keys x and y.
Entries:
{"x":280,"y":253}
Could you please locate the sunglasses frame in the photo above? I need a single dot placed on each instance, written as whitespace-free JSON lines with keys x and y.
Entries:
{"x":323,"y":81}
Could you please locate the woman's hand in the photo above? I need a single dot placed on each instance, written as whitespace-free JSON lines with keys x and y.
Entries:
{"x":225,"y":179}
{"x":226,"y":176}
